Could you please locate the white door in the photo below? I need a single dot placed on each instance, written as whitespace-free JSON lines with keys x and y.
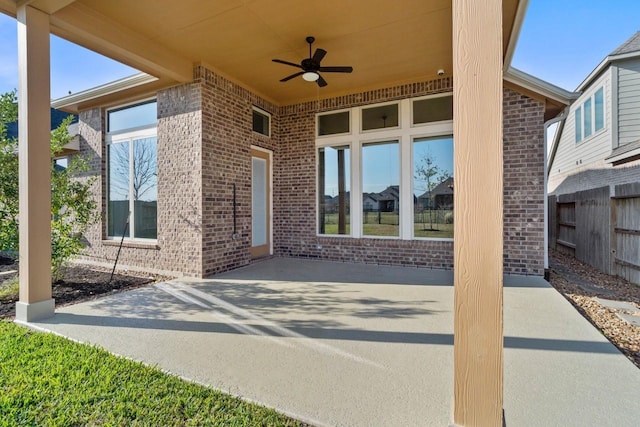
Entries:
{"x":260,"y":204}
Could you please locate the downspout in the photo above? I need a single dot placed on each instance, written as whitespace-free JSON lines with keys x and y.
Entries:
{"x":548,"y":123}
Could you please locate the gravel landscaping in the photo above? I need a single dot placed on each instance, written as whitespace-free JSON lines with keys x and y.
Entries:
{"x":602,"y":299}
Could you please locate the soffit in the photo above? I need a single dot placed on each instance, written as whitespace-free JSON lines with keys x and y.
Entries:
{"x":386,"y":42}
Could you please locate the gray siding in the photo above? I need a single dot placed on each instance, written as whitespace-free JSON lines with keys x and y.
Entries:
{"x":629,"y":101}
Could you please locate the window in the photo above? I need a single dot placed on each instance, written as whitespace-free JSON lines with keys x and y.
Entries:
{"x":334,"y":190}
{"x":433,"y":187}
{"x":367,"y":183}
{"x":385,"y":116}
{"x":587,"y":117}
{"x":132,"y":173}
{"x":381,"y":189}
{"x":590,"y":116}
{"x":433,"y":109}
{"x":261,"y":122}
{"x":334,"y":124}
{"x":599,"y":108}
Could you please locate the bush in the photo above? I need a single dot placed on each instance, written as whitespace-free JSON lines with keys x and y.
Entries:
{"x":73,"y":208}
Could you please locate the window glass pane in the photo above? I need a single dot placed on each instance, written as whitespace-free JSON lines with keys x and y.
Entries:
{"x":145,"y":188}
{"x":433,"y":109}
{"x":578,"y":125}
{"x":118,"y":189}
{"x":132,"y":117}
{"x":433,"y":187}
{"x":599,"y":108}
{"x":380,"y":117}
{"x":334,"y":174}
{"x":331,"y":124}
{"x":259,"y":202}
{"x":587,"y":118}
{"x":381,"y":189}
{"x":261,"y":123}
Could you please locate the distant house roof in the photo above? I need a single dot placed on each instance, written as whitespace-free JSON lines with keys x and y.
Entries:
{"x":57,"y":117}
{"x":442,"y":189}
{"x":631,"y":45}
{"x":628,"y":49}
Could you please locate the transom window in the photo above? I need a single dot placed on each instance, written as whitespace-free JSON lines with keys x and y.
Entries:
{"x":132,"y":172}
{"x":394,"y":178}
{"x":261,"y":122}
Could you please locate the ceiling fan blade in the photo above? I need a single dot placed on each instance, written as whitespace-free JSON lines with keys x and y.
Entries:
{"x":321,"y":82}
{"x":280,"y":61}
{"x":320,"y":53}
{"x":336,"y":69}
{"x":299,"y":73}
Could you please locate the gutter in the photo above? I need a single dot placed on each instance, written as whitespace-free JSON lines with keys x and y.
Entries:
{"x":103,"y":90}
{"x":551,"y":91}
{"x":515,"y":33}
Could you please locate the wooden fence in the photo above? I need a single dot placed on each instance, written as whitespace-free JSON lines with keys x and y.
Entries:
{"x":600,"y":229}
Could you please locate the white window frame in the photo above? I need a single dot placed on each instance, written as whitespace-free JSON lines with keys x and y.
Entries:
{"x":405,"y":134}
{"x":264,"y":113}
{"x":594,"y":132}
{"x":127,"y":135}
{"x":329,"y":113}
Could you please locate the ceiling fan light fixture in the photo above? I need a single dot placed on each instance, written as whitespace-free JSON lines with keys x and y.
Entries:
{"x":311,"y":76}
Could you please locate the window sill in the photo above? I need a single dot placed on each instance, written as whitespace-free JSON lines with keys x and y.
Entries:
{"x":131,"y":244}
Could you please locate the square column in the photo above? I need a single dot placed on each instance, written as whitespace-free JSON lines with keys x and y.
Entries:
{"x":34,"y":119}
{"x":478,"y":214}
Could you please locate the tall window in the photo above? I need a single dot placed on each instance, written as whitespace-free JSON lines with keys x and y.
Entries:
{"x":334,"y":191}
{"x":132,"y":172}
{"x":578,"y":124}
{"x":433,"y":187}
{"x":381,"y":189}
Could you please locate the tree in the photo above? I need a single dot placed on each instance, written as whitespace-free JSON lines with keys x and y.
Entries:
{"x":73,"y":208}
{"x":428,"y":172}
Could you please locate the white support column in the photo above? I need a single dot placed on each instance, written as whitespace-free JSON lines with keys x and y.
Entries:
{"x":478,"y":167}
{"x":35,"y":165}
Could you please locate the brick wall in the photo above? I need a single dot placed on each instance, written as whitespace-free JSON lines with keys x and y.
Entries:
{"x":523,"y":127}
{"x":204,"y":141}
{"x":227,"y":137}
{"x":178,"y":249}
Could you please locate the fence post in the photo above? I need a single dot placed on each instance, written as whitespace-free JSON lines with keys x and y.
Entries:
{"x":614,"y":236}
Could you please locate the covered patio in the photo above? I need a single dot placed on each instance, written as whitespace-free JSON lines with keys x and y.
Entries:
{"x":233,"y":43}
{"x":359,"y":345}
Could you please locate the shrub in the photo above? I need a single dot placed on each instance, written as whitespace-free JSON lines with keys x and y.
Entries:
{"x":448,"y":218}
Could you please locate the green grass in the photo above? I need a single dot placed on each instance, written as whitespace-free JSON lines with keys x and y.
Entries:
{"x":46,"y":380}
{"x":389,"y":224}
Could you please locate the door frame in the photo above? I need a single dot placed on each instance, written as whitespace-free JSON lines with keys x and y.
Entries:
{"x":266,"y":154}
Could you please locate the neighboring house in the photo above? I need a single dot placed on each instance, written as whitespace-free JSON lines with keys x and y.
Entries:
{"x":441,"y":197}
{"x":598,"y":142}
{"x":594,"y":168}
{"x":57,"y":116}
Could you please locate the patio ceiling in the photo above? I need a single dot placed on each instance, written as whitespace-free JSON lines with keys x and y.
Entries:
{"x":386,"y":42}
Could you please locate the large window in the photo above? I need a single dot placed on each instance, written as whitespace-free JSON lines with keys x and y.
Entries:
{"x":386,"y":171}
{"x":132,"y":173}
{"x":433,"y":187}
{"x":381,"y":189}
{"x":589,"y":116}
{"x":334,"y":175}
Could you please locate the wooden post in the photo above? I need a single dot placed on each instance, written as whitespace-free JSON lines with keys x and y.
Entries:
{"x":35,"y":165}
{"x":478,"y":168}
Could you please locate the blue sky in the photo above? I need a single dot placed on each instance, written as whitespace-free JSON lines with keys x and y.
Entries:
{"x":560,"y":41}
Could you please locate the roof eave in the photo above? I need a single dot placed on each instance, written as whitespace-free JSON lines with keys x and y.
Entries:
{"x":540,"y":86}
{"x":603,"y":65}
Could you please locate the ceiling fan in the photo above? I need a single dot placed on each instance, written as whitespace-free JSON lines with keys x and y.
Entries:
{"x":311,"y":67}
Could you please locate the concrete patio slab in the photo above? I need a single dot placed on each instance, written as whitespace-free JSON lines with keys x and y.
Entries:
{"x":359,"y":345}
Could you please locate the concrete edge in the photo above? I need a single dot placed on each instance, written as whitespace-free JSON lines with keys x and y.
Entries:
{"x":30,"y":312}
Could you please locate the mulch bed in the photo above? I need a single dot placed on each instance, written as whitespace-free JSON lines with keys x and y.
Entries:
{"x":580,"y":284}
{"x":80,"y":283}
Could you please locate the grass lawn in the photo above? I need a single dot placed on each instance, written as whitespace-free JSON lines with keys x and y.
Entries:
{"x":46,"y":380}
